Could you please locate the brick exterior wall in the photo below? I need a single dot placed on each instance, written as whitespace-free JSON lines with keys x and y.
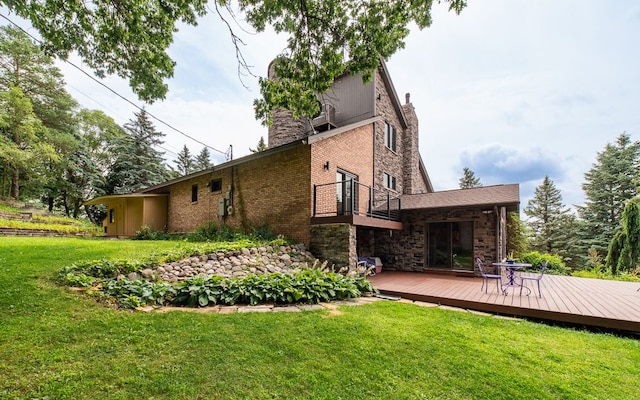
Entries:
{"x":272,"y":190}
{"x":405,"y":250}
{"x":350,"y":151}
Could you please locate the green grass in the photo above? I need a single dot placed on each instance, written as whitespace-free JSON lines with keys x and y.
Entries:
{"x":61,"y":345}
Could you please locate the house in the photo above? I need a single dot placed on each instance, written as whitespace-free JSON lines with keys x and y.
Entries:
{"x":349,"y":182}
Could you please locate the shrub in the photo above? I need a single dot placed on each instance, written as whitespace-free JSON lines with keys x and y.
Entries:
{"x":135,"y":293}
{"x":555,"y":263}
{"x":148,"y":233}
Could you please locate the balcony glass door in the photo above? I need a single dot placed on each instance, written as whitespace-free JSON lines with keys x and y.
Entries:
{"x":345,"y":192}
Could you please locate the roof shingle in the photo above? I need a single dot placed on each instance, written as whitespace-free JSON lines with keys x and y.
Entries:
{"x":480,"y":196}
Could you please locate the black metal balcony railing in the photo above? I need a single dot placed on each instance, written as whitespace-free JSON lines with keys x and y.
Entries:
{"x":353,"y":198}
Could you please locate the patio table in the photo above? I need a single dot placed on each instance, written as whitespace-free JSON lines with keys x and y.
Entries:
{"x":511,"y":278}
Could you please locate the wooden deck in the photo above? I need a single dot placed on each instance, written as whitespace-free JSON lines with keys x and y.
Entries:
{"x":591,"y":302}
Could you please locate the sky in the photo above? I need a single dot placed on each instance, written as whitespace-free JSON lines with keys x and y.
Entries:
{"x":512,"y":89}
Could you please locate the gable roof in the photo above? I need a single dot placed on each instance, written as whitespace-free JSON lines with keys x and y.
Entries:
{"x":498,"y":195}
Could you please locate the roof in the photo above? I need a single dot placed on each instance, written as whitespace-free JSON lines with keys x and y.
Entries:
{"x":105,"y":199}
{"x":505,"y":195}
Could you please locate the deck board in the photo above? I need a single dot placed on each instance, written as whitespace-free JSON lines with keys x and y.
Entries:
{"x":592,"y":302}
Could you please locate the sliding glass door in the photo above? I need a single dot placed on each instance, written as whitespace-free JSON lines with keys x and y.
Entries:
{"x":450,"y":245}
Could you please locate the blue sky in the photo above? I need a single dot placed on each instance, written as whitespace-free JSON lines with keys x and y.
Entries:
{"x":513,"y":89}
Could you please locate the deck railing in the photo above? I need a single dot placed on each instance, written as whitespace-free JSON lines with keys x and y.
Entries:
{"x":350,"y":197}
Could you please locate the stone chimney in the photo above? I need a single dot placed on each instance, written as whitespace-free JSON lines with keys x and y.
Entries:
{"x":284,"y":128}
{"x":411,"y":153}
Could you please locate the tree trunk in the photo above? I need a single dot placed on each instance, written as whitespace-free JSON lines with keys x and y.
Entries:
{"x":15,"y":184}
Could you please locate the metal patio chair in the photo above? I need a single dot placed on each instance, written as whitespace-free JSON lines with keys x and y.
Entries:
{"x":536,"y":278}
{"x":486,"y":277}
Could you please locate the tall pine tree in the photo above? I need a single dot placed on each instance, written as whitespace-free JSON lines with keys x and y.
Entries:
{"x":185,"y":162}
{"x":137,"y":164}
{"x":612,"y":180}
{"x":546,"y":213}
{"x":203,"y":160}
{"x":469,"y":179}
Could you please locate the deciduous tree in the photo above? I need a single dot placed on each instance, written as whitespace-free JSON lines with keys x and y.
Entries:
{"x":326,"y":38}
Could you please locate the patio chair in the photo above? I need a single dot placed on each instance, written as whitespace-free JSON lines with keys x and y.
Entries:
{"x":486,"y":277}
{"x":536,"y":278}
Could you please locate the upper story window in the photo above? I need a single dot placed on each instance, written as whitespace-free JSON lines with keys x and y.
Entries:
{"x":194,"y":193}
{"x":216,"y":185}
{"x":390,"y":136}
{"x":389,"y":181}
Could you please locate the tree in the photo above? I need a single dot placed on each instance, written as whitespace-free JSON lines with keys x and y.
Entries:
{"x":325,"y":39}
{"x":137,"y":164}
{"x":23,"y":144}
{"x":516,"y":235}
{"x":203,"y":160}
{"x":469,"y":179}
{"x":609,"y":184}
{"x":546,"y":211}
{"x":185,"y":162}
{"x":260,"y":147}
{"x":24,"y":65}
{"x":624,"y":249}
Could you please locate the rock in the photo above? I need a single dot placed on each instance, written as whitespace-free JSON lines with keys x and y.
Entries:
{"x":245,"y":251}
{"x":133,"y":276}
{"x":147,"y":273}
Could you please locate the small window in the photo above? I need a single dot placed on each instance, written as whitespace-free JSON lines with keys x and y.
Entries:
{"x":194,"y":193}
{"x":216,"y":185}
{"x":389,"y":181}
{"x":112,"y":216}
{"x":389,"y":136}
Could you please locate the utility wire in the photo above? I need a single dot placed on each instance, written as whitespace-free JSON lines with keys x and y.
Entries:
{"x":227,"y":153}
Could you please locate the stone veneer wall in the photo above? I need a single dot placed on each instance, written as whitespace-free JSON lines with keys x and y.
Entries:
{"x":272,"y":190}
{"x":387,"y":160}
{"x":413,"y":181}
{"x":405,"y":250}
{"x":335,"y":243}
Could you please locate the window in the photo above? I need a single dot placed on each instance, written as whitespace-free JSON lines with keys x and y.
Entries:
{"x":112,"y":216}
{"x":216,"y":185}
{"x":389,"y":136}
{"x":194,"y":193}
{"x":389,"y":181}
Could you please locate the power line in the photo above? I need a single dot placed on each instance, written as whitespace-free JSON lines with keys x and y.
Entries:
{"x":227,"y":153}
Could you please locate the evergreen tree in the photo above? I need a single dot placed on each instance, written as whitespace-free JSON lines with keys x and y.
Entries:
{"x":624,"y":249}
{"x":612,"y":180}
{"x":469,"y":179}
{"x":24,"y":65}
{"x":185,"y":162}
{"x":516,"y":235}
{"x":203,"y":160}
{"x":137,"y":164}
{"x":547,"y":218}
{"x":23,"y":144}
{"x":261,"y":146}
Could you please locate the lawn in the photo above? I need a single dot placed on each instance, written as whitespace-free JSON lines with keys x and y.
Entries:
{"x":56,"y":344}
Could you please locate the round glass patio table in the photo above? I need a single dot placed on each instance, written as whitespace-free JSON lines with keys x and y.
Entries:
{"x":511,"y":277}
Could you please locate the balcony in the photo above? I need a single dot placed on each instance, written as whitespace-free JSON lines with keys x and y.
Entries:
{"x":351,"y":202}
